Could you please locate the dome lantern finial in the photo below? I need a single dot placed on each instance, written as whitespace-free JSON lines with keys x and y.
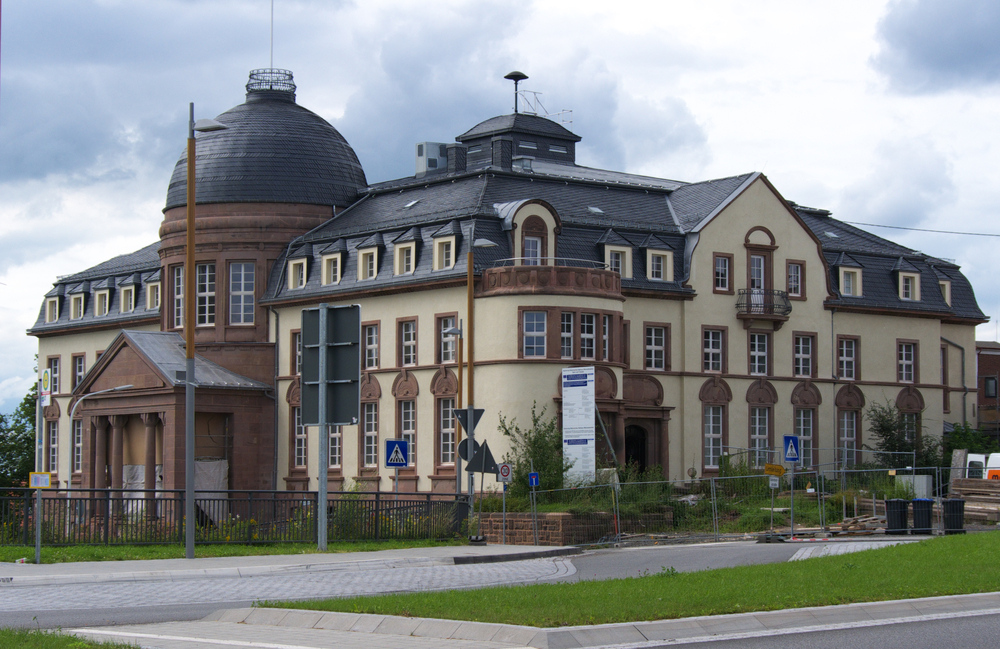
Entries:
{"x":271,"y":81}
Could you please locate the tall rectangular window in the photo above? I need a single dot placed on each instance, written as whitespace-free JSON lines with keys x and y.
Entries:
{"x":847,"y":349}
{"x":336,"y":446}
{"x":532,"y":251}
{"x":444,"y":255}
{"x":712,"y":350}
{"x":848,"y":420}
{"x":804,"y":431}
{"x":408,"y":428}
{"x":205,"y":294}
{"x":54,"y":374}
{"x":447,"y":341}
{"x":910,"y":421}
{"x":331,"y":269}
{"x":605,"y":337}
{"x":79,"y":369}
{"x":126,"y":299}
{"x":446,"y":431}
{"x":803,"y":356}
{"x":758,"y":354}
{"x":656,"y":348}
{"x":615,"y":258}
{"x":370,"y":443}
{"x":713,"y":436}
{"x":566,"y":335}
{"x":371,"y":346}
{"x":534,"y":334}
{"x":51,"y":309}
{"x":301,"y":445}
{"x":76,"y":307}
{"x":759,"y":425}
{"x":241,"y":293}
{"x":722,"y":269}
{"x":178,"y":297}
{"x":297,"y":353}
{"x":407,"y":343}
{"x":906,"y":355}
{"x":587,"y":335}
{"x":77,"y":445}
{"x":153,"y":296}
{"x":52,"y":459}
{"x":794,"y":279}
{"x":101,"y":303}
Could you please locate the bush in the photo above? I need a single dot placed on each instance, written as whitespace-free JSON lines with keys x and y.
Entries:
{"x":539,"y":446}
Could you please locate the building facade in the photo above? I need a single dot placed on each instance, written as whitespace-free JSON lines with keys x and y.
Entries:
{"x":718,"y":315}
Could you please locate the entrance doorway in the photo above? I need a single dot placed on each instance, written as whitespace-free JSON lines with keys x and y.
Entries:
{"x":635,"y":447}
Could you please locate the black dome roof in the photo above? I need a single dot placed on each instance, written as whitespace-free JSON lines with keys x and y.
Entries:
{"x":273,"y":151}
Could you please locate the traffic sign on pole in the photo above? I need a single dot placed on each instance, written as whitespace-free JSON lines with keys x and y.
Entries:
{"x":791,"y":447}
{"x":505,"y":473}
{"x":462,"y":415}
{"x":533,"y":479}
{"x":396,"y":453}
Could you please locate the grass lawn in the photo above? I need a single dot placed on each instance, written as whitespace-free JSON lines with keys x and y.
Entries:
{"x":22,"y":639}
{"x":940,"y":566}
{"x":63,"y":554}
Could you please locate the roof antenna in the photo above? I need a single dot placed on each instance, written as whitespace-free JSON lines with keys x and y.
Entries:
{"x":514,"y":76}
{"x":272,"y":33}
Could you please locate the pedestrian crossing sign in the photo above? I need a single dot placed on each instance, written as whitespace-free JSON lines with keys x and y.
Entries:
{"x":791,"y":447}
{"x":396,"y":453}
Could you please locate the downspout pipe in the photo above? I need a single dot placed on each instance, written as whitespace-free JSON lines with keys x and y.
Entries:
{"x":277,"y":372}
{"x":965,"y":388}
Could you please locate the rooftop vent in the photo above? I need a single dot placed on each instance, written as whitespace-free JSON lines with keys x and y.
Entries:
{"x":432,"y":158}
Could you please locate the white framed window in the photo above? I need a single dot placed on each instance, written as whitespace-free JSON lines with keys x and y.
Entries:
{"x":804,"y":430}
{"x":126,"y":299}
{"x":588,"y":333}
{"x":76,"y":304}
{"x":297,"y":353}
{"x":850,"y":282}
{"x":794,"y":284}
{"x":759,"y":425}
{"x":532,"y":251}
{"x":405,"y":258}
{"x":331,"y":269}
{"x":301,"y":442}
{"x":722,"y":271}
{"x":712,"y":350}
{"x":945,"y":287}
{"x":371,"y":346}
{"x":79,"y":369}
{"x":101,"y":302}
{"x":51,"y":309}
{"x":446,"y":431}
{"x":803,"y":360}
{"x":152,"y":296}
{"x":336,"y":446}
{"x":408,"y":428}
{"x":77,"y":445}
{"x":909,"y":286}
{"x":619,"y":259}
{"x":909,"y":421}
{"x":605,"y":337}
{"x":566,"y":334}
{"x":52,"y":459}
{"x":368,"y":263}
{"x":370,"y":443}
{"x":408,"y":343}
{"x":656,"y":348}
{"x":906,"y":358}
{"x":446,"y":344}
{"x":205,"y":294}
{"x":758,"y":354}
{"x":297,"y":274}
{"x":54,"y":374}
{"x":660,"y":265}
{"x":847,"y":353}
{"x":534,"y":334}
{"x":847,"y":436}
{"x":713,"y":436}
{"x":444,"y":253}
{"x":178,"y":297}
{"x":241,"y":293}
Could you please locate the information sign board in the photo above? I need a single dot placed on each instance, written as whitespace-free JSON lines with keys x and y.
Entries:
{"x":579,"y":442}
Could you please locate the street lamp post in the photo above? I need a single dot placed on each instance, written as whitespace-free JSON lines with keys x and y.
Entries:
{"x":457,"y":331}
{"x":470,"y":409}
{"x":72,"y":412}
{"x":190,"y":307}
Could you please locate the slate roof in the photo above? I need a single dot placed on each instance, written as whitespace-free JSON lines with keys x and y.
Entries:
{"x":273,"y":151}
{"x":694,"y":202}
{"x":520,"y":122}
{"x":165,"y":350}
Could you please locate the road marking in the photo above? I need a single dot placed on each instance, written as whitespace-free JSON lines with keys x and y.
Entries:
{"x":158,"y":636}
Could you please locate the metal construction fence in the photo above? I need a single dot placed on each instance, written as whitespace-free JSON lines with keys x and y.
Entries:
{"x":735,"y":505}
{"x":117,"y":517}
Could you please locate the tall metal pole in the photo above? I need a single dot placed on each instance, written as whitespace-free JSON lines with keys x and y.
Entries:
{"x":471,"y":414}
{"x":189,"y":311}
{"x":324,"y":435}
{"x":458,"y":405}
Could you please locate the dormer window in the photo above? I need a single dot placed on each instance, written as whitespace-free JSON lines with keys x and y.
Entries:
{"x":945,"y":287}
{"x":367,"y":263}
{"x":660,"y":265}
{"x":126,"y":299}
{"x":101,"y":300}
{"x":444,"y":253}
{"x":909,"y":286}
{"x":404,"y":258}
{"x":296,"y":274}
{"x":619,"y":260}
{"x":51,"y":309}
{"x":153,"y":296}
{"x":331,"y":269}
{"x":76,"y":307}
{"x":532,"y":251}
{"x":525,"y":144}
{"x":850,"y":282}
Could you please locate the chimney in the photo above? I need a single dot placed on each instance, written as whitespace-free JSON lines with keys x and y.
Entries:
{"x":457,"y":157}
{"x":503,"y":152}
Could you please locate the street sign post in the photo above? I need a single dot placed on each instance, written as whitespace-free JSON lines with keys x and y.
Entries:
{"x":39,"y":480}
{"x":794,"y":456}
{"x":397,"y":456}
{"x":774,"y":470}
{"x":505,"y":473}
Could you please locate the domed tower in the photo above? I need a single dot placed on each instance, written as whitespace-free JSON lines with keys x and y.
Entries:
{"x":275,"y":172}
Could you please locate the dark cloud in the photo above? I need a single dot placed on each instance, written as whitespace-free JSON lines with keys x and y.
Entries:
{"x":935,"y":45}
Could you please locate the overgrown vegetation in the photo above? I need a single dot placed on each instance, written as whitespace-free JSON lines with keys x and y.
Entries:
{"x":948,"y":566}
{"x":897,"y":436}
{"x":17,"y":442}
{"x":539,"y":446}
{"x":964,"y":436}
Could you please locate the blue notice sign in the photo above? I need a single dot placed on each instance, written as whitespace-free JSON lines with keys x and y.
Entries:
{"x":791,"y":447}
{"x":397,"y":454}
{"x":532,"y":479}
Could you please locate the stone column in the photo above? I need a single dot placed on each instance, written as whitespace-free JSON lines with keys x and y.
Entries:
{"x":150,"y":420}
{"x":100,"y":428}
{"x":620,"y":438}
{"x":118,"y":450}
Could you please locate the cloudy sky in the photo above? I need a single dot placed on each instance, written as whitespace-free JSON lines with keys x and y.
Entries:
{"x":883,"y":112}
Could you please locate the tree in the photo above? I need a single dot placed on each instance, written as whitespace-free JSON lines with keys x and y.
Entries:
{"x":17,"y":442}
{"x":964,"y":436}
{"x":895,"y":444}
{"x":540,"y":445}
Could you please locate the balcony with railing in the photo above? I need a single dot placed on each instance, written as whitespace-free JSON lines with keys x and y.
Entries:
{"x":762,"y":304}
{"x":552,"y":276}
